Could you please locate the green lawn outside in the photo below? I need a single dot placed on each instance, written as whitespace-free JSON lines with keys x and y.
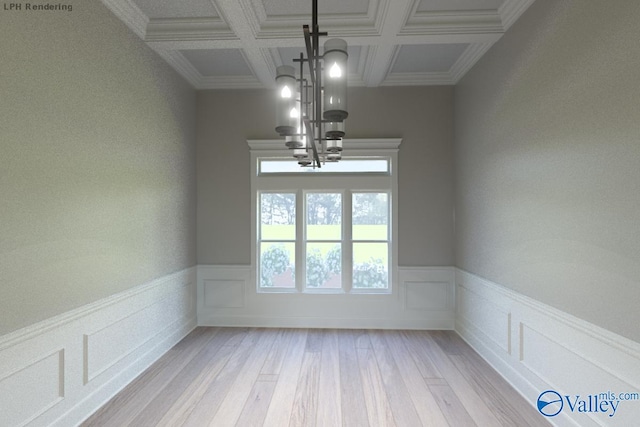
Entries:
{"x":363,"y":252}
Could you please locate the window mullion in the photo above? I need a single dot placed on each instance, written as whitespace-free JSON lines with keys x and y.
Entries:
{"x":347,"y":247}
{"x":301,"y":215}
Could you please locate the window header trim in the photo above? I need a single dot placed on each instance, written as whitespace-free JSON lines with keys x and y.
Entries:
{"x":359,"y":147}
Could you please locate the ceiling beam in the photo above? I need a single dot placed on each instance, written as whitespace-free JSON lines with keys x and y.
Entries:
{"x":239,"y":21}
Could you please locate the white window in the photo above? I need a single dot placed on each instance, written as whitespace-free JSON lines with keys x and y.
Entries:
{"x":327,"y":230}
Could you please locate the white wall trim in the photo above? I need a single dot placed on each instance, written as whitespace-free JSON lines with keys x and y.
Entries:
{"x":227,"y":296}
{"x":59,"y":371}
{"x":537,"y":347}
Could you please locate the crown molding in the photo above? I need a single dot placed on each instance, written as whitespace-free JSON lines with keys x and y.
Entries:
{"x":468,"y":22}
{"x":469,"y":57}
{"x":511,"y":10}
{"x":185,"y":29}
{"x":182,"y":66}
{"x":418,"y":79}
{"x":130,"y":14}
{"x":230,"y":82}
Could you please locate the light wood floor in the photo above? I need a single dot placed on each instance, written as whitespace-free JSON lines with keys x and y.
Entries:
{"x":298,"y":377}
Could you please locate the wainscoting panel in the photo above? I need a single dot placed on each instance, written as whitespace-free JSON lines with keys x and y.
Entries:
{"x":539,"y":348}
{"x":21,"y":403}
{"x":59,"y":371}
{"x":422,"y":298}
{"x":224,"y":293}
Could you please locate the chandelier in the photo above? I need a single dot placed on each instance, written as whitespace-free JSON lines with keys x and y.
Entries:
{"x":312,"y":107}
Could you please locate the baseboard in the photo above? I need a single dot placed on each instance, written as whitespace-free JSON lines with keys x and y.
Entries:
{"x":538,"y":348}
{"x":59,"y":371}
{"x":422,"y":298}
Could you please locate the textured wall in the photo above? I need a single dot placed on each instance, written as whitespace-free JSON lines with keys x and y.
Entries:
{"x":97,"y":162}
{"x":421,"y":116}
{"x":548,"y":161}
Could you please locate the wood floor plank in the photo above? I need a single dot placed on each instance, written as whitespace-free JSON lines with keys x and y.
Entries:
{"x":404,"y":411}
{"x":482,"y":371}
{"x":329,"y":396}
{"x":448,"y":342}
{"x":508,"y":407}
{"x":436,"y":381}
{"x":423,"y":400}
{"x":127,"y":404}
{"x":314,"y":340}
{"x":361,"y":339}
{"x":267,"y":377}
{"x":453,"y":409}
{"x":420,"y":357}
{"x":215,"y":394}
{"x":231,"y":407}
{"x":352,"y":400}
{"x":273,"y":362}
{"x":305,"y":403}
{"x":161,"y":403}
{"x":472,"y":402}
{"x":186,"y":402}
{"x":279,"y":412}
{"x":375,"y":396}
{"x":256,"y":406}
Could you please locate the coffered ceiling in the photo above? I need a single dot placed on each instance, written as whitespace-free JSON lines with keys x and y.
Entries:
{"x":236,"y":44}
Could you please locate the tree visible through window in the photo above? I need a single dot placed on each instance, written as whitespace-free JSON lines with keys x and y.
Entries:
{"x":324,"y":240}
{"x":370,"y":225}
{"x":277,"y":239}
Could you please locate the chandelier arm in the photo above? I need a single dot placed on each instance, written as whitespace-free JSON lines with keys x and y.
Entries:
{"x":317,"y":96}
{"x":310,"y":53}
{"x":311,"y":138}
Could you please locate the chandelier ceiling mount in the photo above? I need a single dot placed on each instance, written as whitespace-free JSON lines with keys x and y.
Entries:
{"x":311,"y":108}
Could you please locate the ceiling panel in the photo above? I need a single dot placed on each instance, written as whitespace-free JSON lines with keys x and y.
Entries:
{"x":218,"y":62}
{"x":427,"y":58}
{"x":458,"y":5}
{"x":239,"y":43}
{"x":333,"y":7}
{"x":155,"y":9}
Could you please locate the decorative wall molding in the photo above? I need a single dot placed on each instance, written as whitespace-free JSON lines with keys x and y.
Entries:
{"x":130,"y":14}
{"x":537,"y":348}
{"x":510,"y":11}
{"x":59,"y":371}
{"x":423,"y":298}
{"x":188,"y":29}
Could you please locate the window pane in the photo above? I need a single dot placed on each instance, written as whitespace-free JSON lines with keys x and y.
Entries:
{"x":324,"y":216}
{"x":370,"y":216}
{"x":277,"y":261}
{"x":324,"y":265}
{"x":343,"y":166}
{"x":370,"y":265}
{"x":278,"y":216}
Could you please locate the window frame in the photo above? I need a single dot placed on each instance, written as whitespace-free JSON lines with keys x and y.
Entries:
{"x":332,"y":182}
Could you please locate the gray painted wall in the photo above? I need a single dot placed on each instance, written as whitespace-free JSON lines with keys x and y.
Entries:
{"x":97,"y":180}
{"x":421,"y":116}
{"x":547,"y":157}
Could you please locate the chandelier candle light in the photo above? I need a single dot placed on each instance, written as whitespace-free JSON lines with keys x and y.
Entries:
{"x":309,"y":115}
